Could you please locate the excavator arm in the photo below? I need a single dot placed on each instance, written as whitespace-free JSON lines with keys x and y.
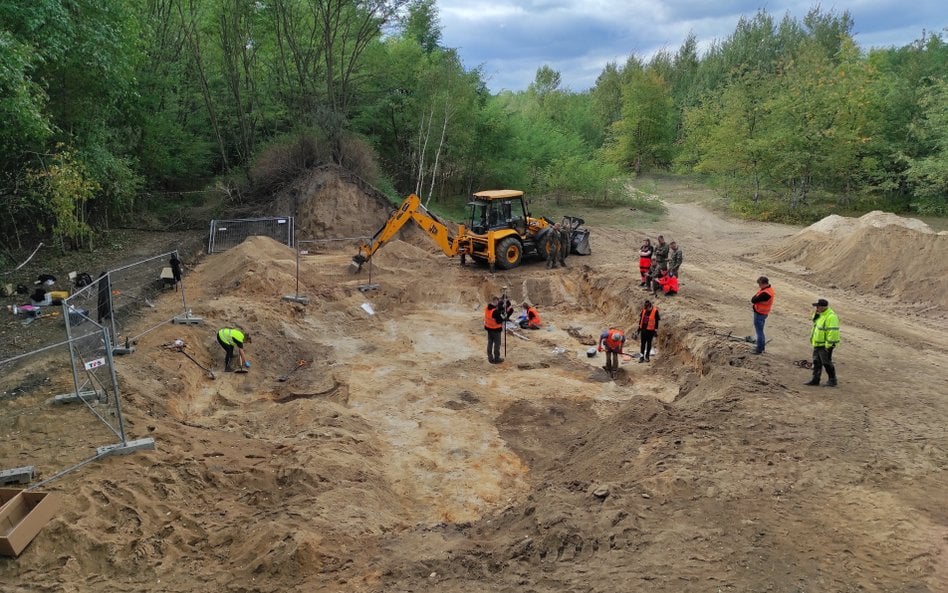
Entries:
{"x":411,"y":209}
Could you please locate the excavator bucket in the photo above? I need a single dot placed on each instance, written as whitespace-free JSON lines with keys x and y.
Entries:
{"x":580,"y":242}
{"x":356,"y":264}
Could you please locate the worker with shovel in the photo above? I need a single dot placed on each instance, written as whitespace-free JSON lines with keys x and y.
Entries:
{"x":229,"y":339}
{"x":613,"y":339}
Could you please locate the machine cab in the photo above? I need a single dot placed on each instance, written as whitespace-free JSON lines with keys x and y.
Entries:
{"x":498,"y":209}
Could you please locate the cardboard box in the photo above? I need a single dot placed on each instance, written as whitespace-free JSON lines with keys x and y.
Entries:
{"x":22,"y":516}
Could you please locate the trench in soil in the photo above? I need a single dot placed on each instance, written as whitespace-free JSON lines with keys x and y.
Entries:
{"x":416,"y":373}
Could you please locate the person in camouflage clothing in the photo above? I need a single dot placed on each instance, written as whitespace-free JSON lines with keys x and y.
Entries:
{"x":660,"y":254}
{"x":566,"y":243}
{"x":675,"y":258}
{"x":553,"y":247}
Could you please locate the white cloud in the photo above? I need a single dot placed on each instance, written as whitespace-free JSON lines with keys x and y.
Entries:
{"x":578,"y":37}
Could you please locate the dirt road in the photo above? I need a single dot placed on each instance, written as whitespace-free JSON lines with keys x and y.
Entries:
{"x":398,"y":459}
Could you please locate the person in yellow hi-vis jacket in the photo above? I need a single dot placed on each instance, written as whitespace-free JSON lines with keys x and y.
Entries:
{"x":824,"y":338}
{"x":230,"y":338}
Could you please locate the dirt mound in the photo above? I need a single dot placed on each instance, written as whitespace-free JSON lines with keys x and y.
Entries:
{"x":258,"y":266}
{"x":401,"y":254}
{"x":837,"y":224}
{"x":878,"y":253}
{"x":334,"y":204}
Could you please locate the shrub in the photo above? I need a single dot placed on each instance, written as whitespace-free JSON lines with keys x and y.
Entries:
{"x":358,"y":156}
{"x":283,"y":160}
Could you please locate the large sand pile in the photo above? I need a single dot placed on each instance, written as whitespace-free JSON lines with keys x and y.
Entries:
{"x":335,"y":204}
{"x":878,"y":253}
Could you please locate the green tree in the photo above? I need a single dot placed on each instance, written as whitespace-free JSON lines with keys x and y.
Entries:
{"x":930,"y":173}
{"x":815,"y":126}
{"x":423,"y":25}
{"x":724,"y":135}
{"x":64,"y":188}
{"x":606,"y":96}
{"x":643,"y":138}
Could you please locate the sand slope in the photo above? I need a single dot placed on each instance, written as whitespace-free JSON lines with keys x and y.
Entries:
{"x":878,"y":253}
{"x":398,"y":459}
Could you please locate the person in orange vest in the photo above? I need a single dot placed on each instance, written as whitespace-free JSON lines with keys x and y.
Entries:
{"x":645,"y":260}
{"x":613,"y":339}
{"x":647,"y":328}
{"x":495,"y":314}
{"x":668,"y":284}
{"x":530,"y":319}
{"x":762,"y":303}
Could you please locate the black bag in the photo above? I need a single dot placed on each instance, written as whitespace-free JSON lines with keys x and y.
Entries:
{"x":82,"y":279}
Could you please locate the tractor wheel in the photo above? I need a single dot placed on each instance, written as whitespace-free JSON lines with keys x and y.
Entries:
{"x":542,"y":241}
{"x":509,"y":253}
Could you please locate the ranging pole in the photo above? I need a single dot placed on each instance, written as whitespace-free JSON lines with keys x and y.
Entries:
{"x":296,"y":244}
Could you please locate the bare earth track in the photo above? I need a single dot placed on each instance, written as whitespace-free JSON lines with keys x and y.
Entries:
{"x":398,"y":459}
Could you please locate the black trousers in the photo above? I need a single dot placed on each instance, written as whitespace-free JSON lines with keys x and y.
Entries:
{"x":494,"y":337}
{"x":645,"y":338}
{"x":612,"y":360}
{"x":823,"y":357}
{"x":228,"y":352}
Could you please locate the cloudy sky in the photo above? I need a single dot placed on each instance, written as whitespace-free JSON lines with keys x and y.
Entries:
{"x":512,"y":38}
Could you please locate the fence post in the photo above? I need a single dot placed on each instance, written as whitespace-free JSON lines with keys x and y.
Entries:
{"x":115,"y":389}
{"x":72,"y":353}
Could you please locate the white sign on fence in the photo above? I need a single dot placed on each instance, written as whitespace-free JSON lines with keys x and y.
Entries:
{"x":94,"y":364}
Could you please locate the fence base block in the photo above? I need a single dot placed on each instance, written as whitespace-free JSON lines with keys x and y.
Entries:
{"x":127,"y":447}
{"x":367,"y":287}
{"x":71,"y":398}
{"x":296,"y":299}
{"x":188,"y":320}
{"x":123,"y":350}
{"x":18,"y":475}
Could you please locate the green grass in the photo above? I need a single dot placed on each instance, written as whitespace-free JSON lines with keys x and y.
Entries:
{"x":453,"y":209}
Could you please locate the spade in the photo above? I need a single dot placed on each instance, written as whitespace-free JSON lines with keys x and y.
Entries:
{"x":299,"y":364}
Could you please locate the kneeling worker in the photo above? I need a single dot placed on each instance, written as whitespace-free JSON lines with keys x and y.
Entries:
{"x":530,"y":318}
{"x":230,"y":338}
{"x":613,"y":339}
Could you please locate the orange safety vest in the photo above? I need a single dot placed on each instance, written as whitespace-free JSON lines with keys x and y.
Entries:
{"x":533,"y":317}
{"x":489,"y":321}
{"x":614,"y":339}
{"x":765,"y":307}
{"x":648,"y":322}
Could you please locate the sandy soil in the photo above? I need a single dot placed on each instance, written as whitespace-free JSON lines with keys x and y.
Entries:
{"x":398,"y":459}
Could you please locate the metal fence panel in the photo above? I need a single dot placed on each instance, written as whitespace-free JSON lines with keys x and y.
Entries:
{"x":117,"y":299}
{"x":133,"y":290}
{"x":337,"y":273}
{"x":230,"y":233}
{"x":45,"y":422}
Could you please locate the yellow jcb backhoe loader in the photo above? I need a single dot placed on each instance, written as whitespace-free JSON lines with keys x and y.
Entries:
{"x":499,"y":232}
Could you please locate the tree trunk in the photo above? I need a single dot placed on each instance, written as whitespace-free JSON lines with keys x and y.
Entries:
{"x":434,"y":169}
{"x":190,"y":28}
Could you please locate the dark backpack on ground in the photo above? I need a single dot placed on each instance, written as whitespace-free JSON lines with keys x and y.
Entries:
{"x":83,"y":279}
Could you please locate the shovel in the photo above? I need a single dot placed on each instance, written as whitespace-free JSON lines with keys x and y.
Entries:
{"x":299,"y":364}
{"x":210,"y":373}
